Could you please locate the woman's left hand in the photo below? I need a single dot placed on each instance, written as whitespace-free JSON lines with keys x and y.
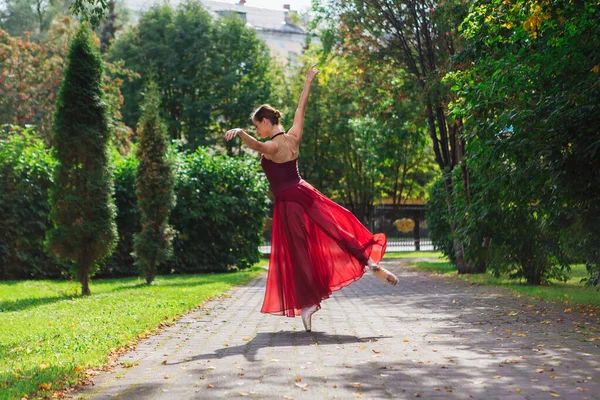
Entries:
{"x":232,"y":133}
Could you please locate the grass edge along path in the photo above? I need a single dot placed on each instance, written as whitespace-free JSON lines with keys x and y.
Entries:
{"x":570,"y":293}
{"x":50,"y":335}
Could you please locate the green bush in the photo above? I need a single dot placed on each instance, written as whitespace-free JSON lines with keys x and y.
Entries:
{"x":25,"y":177}
{"x":437,"y":220}
{"x":121,"y":261}
{"x":221,"y":205}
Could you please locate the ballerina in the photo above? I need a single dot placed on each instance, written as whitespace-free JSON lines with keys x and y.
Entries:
{"x":317,"y":245}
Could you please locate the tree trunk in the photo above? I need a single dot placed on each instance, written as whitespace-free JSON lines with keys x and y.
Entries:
{"x":85,"y":284}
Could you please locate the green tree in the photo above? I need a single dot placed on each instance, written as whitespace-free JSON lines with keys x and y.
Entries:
{"x":33,"y":16}
{"x":420,"y":37}
{"x":154,"y":189}
{"x":210,"y":73}
{"x":31,"y":76}
{"x":528,"y":89}
{"x":82,"y":208}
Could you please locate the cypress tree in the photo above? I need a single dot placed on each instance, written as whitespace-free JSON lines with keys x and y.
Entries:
{"x":81,"y":200}
{"x":154,"y":188}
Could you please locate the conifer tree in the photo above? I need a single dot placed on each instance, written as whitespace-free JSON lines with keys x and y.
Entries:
{"x":154,"y":188}
{"x":82,"y":206}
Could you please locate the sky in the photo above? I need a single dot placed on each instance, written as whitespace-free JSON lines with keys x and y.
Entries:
{"x":296,"y":5}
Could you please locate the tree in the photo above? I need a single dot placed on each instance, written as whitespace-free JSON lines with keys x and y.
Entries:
{"x":420,"y":36}
{"x":528,"y":91}
{"x":30,"y":77}
{"x":33,"y":16}
{"x":82,"y":208}
{"x":210,"y":73}
{"x":361,"y":143}
{"x":154,"y":188}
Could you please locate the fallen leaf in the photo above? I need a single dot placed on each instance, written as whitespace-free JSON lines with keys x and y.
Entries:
{"x":405,"y":340}
{"x":539,"y":370}
{"x":164,"y":362}
{"x":244,"y":394}
{"x":209,"y":386}
{"x":301,"y":385}
{"x":166,"y":376}
{"x":417,"y":394}
{"x":518,"y":390}
{"x":498,"y":377}
{"x":298,"y":379}
{"x":554,"y":395}
{"x":357,"y":384}
{"x":376,"y":351}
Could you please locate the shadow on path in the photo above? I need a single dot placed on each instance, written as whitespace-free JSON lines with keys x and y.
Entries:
{"x":274,"y":339}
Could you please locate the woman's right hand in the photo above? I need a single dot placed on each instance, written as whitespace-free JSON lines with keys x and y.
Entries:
{"x":232,"y":133}
{"x":312,"y":72}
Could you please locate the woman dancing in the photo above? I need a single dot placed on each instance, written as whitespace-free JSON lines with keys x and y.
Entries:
{"x":317,"y":245}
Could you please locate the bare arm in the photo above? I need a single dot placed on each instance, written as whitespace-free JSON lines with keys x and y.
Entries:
{"x":269,"y":147}
{"x":296,"y":129}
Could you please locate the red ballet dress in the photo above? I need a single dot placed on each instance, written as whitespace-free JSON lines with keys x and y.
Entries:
{"x":317,"y":246}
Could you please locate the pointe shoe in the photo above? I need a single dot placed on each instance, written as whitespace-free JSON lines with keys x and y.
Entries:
{"x":306,"y":315}
{"x":384,"y":275}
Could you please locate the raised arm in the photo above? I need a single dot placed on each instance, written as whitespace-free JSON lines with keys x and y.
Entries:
{"x":296,"y":129}
{"x":269,"y":147}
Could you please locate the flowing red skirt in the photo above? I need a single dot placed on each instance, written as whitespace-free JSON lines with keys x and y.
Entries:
{"x":317,"y":247}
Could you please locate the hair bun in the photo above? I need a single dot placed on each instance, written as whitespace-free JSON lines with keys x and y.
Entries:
{"x":277,"y":114}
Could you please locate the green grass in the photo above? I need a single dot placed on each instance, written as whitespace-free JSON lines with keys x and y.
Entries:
{"x":49,"y":334}
{"x":570,"y":292}
{"x":413,"y":254}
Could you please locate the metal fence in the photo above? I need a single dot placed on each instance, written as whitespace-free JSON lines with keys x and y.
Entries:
{"x":382,"y":219}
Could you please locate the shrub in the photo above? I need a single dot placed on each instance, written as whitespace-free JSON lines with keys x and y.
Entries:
{"x":25,"y":176}
{"x":221,"y":206}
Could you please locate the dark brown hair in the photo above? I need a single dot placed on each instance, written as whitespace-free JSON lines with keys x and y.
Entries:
{"x":268,"y":112}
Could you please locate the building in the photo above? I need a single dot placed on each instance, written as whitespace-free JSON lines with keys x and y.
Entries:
{"x":280,"y":29}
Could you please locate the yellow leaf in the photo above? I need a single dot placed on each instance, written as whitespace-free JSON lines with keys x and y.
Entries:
{"x":518,"y":390}
{"x":298,"y":379}
{"x":596,"y":69}
{"x":405,"y":340}
{"x":357,"y":384}
{"x":45,"y":386}
{"x":43,"y":366}
{"x":209,"y":386}
{"x":554,"y":395}
{"x":522,"y":335}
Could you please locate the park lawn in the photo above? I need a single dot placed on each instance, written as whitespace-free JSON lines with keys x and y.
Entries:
{"x":413,"y":254}
{"x":570,"y":292}
{"x":49,"y":334}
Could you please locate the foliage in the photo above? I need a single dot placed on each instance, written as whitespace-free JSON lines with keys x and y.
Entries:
{"x":154,"y":189}
{"x":221,"y":205}
{"x":438,"y":220}
{"x":25,"y":177}
{"x":33,"y":16}
{"x":528,"y":90}
{"x":211,"y":73}
{"x":82,"y":207}
{"x":50,"y":336}
{"x":121,"y":262}
{"x":30,"y":76}
{"x":90,"y":10}
{"x":360,"y":144}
